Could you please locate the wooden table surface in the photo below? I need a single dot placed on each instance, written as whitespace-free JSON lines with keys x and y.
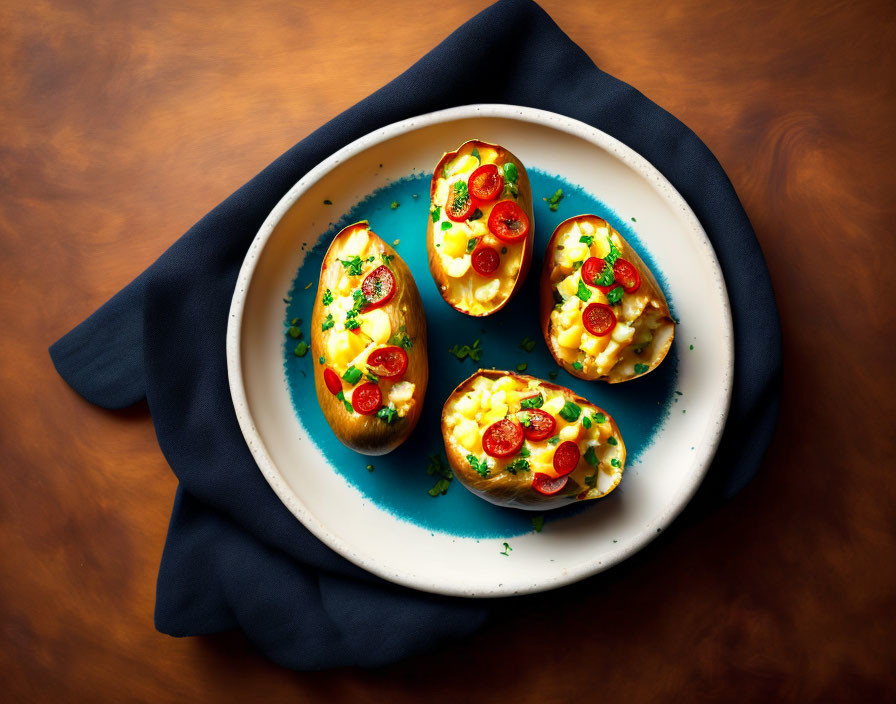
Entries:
{"x":123,"y":123}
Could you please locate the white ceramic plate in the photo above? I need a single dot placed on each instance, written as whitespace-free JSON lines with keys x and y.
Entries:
{"x":653,"y":490}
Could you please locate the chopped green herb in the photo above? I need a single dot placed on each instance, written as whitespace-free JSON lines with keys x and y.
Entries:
{"x":524,"y":418}
{"x":615,"y":295}
{"x":611,"y":258}
{"x":599,"y":418}
{"x":591,"y":457}
{"x":353,"y":265}
{"x":591,"y":480}
{"x":577,"y":366}
{"x":296,"y":321}
{"x":387,"y":258}
{"x":634,"y":219}
{"x":554,"y":200}
{"x":371,"y":377}
{"x":554,"y":440}
{"x":474,"y":352}
{"x":612,"y":440}
{"x":641,"y":368}
{"x":435,"y":213}
{"x":570,"y":411}
{"x":507,"y":550}
{"x":527,"y":344}
{"x":328,"y":323}
{"x":476,"y":215}
{"x":518,"y":465}
{"x":475,"y":153}
{"x":577,"y":265}
{"x":615,"y":462}
{"x":396,"y":242}
{"x":479,"y":466}
{"x":510,"y":173}
{"x":692,"y":347}
{"x":301,"y":349}
{"x":586,"y":421}
{"x":538,"y":523}
{"x":584,"y":293}
{"x":352,"y":324}
{"x":438,"y":468}
{"x":606,"y":276}
{"x":327,"y":201}
{"x":327,"y":297}
{"x":394,"y":205}
{"x":532,"y":402}
{"x":587,"y":239}
{"x":370,"y":468}
{"x":294,"y":332}
{"x":522,"y":366}
{"x":401,"y":339}
{"x":387,"y":415}
{"x":348,"y":406}
{"x":321,"y":360}
{"x":461,"y":196}
{"x":353,"y":375}
{"x":446,"y":225}
{"x":552,"y":375}
{"x":471,"y":244}
{"x":524,"y":451}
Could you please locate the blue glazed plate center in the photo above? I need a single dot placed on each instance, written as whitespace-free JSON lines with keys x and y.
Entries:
{"x":399,"y":482}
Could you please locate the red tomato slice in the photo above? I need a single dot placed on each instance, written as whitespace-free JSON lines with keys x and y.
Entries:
{"x":547,"y":485}
{"x":627,"y":275}
{"x":598,"y":319}
{"x":591,"y":271}
{"x":486,"y":183}
{"x":331,"y":379}
{"x":378,"y":287}
{"x":389,"y":362}
{"x":485,"y":260}
{"x":508,"y":222}
{"x":502,"y":439}
{"x":460,"y":205}
{"x":541,"y":424}
{"x":566,"y":457}
{"x":367,"y":398}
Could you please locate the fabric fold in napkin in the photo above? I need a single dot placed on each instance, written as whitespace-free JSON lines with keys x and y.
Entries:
{"x":235,"y":557}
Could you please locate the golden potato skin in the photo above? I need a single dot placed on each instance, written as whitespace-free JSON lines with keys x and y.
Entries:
{"x":515,"y":491}
{"x":653,"y":354}
{"x":524,"y":201}
{"x":369,"y":435}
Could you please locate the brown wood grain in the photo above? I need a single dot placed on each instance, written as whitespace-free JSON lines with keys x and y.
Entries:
{"x":123,"y":123}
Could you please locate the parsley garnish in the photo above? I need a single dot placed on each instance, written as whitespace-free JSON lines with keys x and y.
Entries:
{"x":599,"y":418}
{"x":387,"y":258}
{"x":532,"y":402}
{"x":480,"y":466}
{"x":464,"y":351}
{"x":591,"y":480}
{"x":440,"y":469}
{"x":446,"y":225}
{"x":301,"y":349}
{"x":554,"y":200}
{"x":587,"y":239}
{"x":328,"y":323}
{"x":471,"y":244}
{"x":591,"y":457}
{"x":394,"y":204}
{"x":475,"y":153}
{"x":615,"y":295}
{"x":387,"y":415}
{"x":611,"y":258}
{"x":518,"y":465}
{"x":475,"y":216}
{"x":527,"y":344}
{"x":507,"y":550}
{"x":641,"y":368}
{"x":353,"y":265}
{"x":605,"y":278}
{"x":538,"y":523}
{"x":586,"y":421}
{"x":328,"y":297}
{"x":615,"y":462}
{"x":577,"y":366}
{"x":352,"y":375}
{"x":583,"y":292}
{"x":348,"y":406}
{"x":509,"y":171}
{"x":461,"y":196}
{"x":401,"y":339}
{"x":570,"y":411}
{"x":612,"y":440}
{"x":372,"y":377}
{"x":554,"y":440}
{"x":294,"y":332}
{"x":435,"y":213}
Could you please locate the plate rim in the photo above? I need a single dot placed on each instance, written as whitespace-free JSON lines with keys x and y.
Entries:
{"x":274,"y":477}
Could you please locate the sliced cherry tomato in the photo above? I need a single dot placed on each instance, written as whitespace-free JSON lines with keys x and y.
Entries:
{"x":627,"y":275}
{"x":389,"y":362}
{"x":508,"y":222}
{"x":331,"y":379}
{"x":485,"y":260}
{"x":548,"y":485}
{"x":598,"y":319}
{"x":541,"y":424}
{"x":502,"y":439}
{"x":367,"y":398}
{"x":378,"y":287}
{"x":566,"y":457}
{"x":486,"y":183}
{"x":460,"y":205}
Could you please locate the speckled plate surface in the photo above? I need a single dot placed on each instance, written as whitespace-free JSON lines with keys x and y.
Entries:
{"x":384,"y":520}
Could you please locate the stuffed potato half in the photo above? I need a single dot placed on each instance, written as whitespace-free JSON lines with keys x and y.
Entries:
{"x":368,"y":337}
{"x":480,"y":229}
{"x":518,"y":441}
{"x":603,"y":314}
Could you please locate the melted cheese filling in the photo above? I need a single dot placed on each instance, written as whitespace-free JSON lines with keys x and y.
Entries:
{"x":491,"y":400}
{"x":466,"y":289}
{"x":345,"y":348}
{"x":637,"y":316}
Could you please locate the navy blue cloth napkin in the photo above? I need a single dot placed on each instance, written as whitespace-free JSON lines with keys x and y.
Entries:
{"x":234,"y":556}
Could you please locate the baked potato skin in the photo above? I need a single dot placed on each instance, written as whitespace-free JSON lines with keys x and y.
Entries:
{"x":369,"y":435}
{"x":524,"y":200}
{"x":515,"y":490}
{"x":651,"y":355}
